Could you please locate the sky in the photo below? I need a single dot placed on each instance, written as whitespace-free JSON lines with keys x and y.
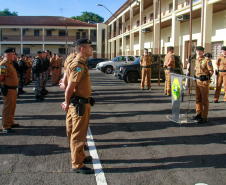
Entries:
{"x":66,"y":8}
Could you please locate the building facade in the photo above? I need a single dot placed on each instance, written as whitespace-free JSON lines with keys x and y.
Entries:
{"x":29,"y":34}
{"x":136,"y":25}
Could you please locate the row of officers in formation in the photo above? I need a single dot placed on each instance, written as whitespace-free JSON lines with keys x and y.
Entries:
{"x":203,"y":73}
{"x":38,"y":69}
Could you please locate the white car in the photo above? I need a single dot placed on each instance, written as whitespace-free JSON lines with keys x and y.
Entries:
{"x":109,"y":66}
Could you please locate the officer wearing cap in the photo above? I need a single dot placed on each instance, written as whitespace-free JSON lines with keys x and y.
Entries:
{"x":221,"y":65}
{"x":55,"y":66}
{"x":22,"y":74}
{"x":9,"y":81}
{"x":169,"y":65}
{"x":44,"y":73}
{"x":37,"y":69}
{"x":204,"y":71}
{"x":77,"y":103}
{"x":145,"y":62}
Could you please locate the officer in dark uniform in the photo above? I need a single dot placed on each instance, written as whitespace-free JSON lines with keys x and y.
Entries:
{"x":22,"y":74}
{"x":44,"y":73}
{"x":37,"y":69}
{"x":77,"y":103}
{"x":9,"y":81}
{"x":204,"y":71}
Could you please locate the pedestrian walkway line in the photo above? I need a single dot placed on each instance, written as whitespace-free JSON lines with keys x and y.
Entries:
{"x":99,"y":173}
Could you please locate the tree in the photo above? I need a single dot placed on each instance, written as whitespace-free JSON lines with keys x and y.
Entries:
{"x":89,"y":16}
{"x":6,"y":12}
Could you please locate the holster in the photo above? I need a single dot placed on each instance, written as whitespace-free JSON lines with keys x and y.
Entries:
{"x":216,"y":72}
{"x":4,"y":90}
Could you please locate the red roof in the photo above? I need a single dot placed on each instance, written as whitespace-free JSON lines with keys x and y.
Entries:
{"x":41,"y":21}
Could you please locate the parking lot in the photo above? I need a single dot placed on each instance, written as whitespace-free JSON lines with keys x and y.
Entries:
{"x":135,"y":142}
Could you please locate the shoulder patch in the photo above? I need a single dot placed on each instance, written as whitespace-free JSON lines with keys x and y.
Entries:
{"x":78,"y":69}
{"x":3,"y":70}
{"x":210,"y":63}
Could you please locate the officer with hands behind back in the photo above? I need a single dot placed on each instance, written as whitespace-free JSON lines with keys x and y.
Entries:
{"x":9,"y":81}
{"x":78,"y":105}
{"x":204,"y":71}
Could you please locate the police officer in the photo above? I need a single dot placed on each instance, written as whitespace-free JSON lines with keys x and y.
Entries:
{"x":37,"y":69}
{"x":169,"y":65}
{"x":9,"y":81}
{"x":78,"y":94}
{"x":221,"y":65}
{"x":28,"y":75}
{"x":45,"y":62}
{"x":22,"y":74}
{"x":55,"y":66}
{"x":145,"y":62}
{"x":204,"y":71}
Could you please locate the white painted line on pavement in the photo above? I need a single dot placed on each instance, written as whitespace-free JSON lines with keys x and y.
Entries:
{"x":100,"y":177}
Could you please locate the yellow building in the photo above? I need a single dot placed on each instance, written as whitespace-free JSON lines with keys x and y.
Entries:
{"x":135,"y":26}
{"x":29,"y":34}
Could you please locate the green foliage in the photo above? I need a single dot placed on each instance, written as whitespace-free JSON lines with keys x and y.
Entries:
{"x":89,"y":16}
{"x":6,"y":12}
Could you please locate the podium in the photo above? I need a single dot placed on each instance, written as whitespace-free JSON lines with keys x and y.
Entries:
{"x":177,"y":92}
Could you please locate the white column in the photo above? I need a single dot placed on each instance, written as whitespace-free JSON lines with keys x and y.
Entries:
{"x":112,"y":30}
{"x":141,"y":42}
{"x":131,"y":18}
{"x":175,"y":34}
{"x":123,"y":46}
{"x":208,"y":22}
{"x":117,"y":27}
{"x":117,"y":46}
{"x":141,"y":12}
{"x":89,"y":34}
{"x":43,"y":47}
{"x":131,"y":44}
{"x":123,"y":23}
{"x":21,"y":47}
{"x":155,"y":30}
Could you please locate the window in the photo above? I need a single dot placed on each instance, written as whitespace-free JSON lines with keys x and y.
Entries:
{"x":216,"y":49}
{"x":130,"y":58}
{"x":128,"y":27}
{"x":170,"y":7}
{"x":62,"y":32}
{"x":48,"y":32}
{"x":77,"y":35}
{"x":138,"y":23}
{"x":145,"y":19}
{"x":36,"y":32}
{"x":24,"y":32}
{"x":121,"y":58}
{"x":151,"y":16}
{"x":83,"y":34}
{"x":26,"y":51}
{"x":62,"y":51}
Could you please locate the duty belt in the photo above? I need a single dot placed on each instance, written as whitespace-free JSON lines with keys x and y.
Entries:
{"x":146,"y":66}
{"x":203,"y":77}
{"x":11,"y":87}
{"x":222,"y":70}
{"x":75,"y":99}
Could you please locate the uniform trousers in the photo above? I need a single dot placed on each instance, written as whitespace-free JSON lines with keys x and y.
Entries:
{"x":9,"y":107}
{"x":165,"y":90}
{"x":221,"y":80}
{"x":77,"y":127}
{"x":146,"y":81}
{"x":54,"y":75}
{"x":168,"y":82}
{"x":145,"y":76}
{"x":202,"y":98}
{"x":38,"y":81}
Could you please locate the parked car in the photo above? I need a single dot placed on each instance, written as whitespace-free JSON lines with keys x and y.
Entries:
{"x":131,"y":73}
{"x":109,"y":66}
{"x":92,"y":62}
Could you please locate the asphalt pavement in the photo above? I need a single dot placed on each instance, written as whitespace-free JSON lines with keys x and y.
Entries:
{"x":135,"y":142}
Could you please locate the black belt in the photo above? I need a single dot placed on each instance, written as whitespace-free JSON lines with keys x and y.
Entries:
{"x":203,"y":77}
{"x":222,"y":70}
{"x":11,"y":87}
{"x":146,"y":66}
{"x":75,"y":100}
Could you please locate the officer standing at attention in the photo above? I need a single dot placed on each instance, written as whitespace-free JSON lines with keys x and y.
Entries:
{"x":204,"y":71}
{"x":221,"y":65}
{"x":55,"y":67}
{"x":77,"y":103}
{"x":9,"y":81}
{"x":169,"y":65}
{"x":145,"y":62}
{"x":37,"y":69}
{"x":22,"y":74}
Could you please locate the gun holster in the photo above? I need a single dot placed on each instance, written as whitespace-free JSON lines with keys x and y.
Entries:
{"x":216,"y":72}
{"x":80,"y":107}
{"x":4,"y":90}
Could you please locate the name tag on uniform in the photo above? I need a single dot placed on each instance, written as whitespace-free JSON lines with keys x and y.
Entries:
{"x":78,"y":69}
{"x":3,"y":70}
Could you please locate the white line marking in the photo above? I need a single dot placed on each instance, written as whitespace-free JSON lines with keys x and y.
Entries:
{"x":100,"y":177}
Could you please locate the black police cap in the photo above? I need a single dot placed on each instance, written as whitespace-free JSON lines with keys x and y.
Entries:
{"x":82,"y":41}
{"x":38,"y":52}
{"x":171,"y":47}
{"x":223,"y":48}
{"x":47,"y":50}
{"x":9,"y":50}
{"x":200,"y":48}
{"x":208,"y":55}
{"x":22,"y":55}
{"x":43,"y":52}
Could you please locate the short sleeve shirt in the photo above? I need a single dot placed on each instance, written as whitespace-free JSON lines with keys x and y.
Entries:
{"x":77,"y":71}
{"x":222,"y":62}
{"x":145,"y":60}
{"x":68,"y":60}
{"x":203,"y":66}
{"x":170,"y":60}
{"x":9,"y":72}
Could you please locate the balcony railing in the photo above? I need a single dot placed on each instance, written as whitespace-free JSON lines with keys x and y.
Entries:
{"x":32,"y":38}
{"x":11,"y":38}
